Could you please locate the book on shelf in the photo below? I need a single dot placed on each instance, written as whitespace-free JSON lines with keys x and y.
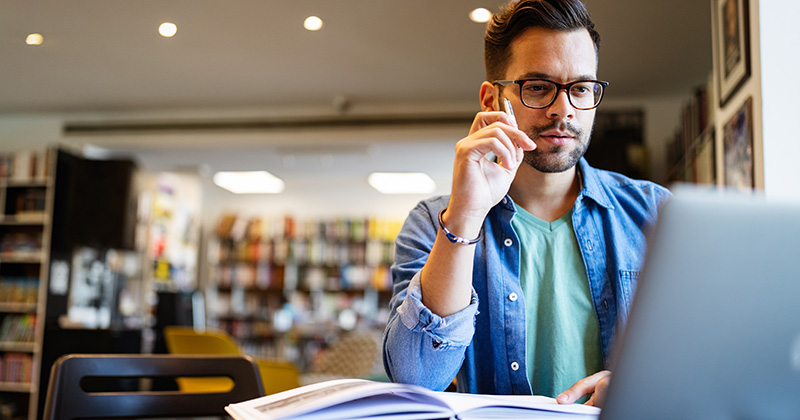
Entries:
{"x":16,"y":368}
{"x":365,"y":399}
{"x":25,"y":165}
{"x":18,"y":329}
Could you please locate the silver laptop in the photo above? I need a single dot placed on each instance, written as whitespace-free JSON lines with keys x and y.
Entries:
{"x":714,"y":331}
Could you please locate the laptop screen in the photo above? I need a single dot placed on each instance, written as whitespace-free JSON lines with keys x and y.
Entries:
{"x":714,"y":330}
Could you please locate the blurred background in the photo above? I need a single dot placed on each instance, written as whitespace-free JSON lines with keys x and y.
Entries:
{"x":111,"y":135}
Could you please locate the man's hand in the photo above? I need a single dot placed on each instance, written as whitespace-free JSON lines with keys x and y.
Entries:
{"x":596,"y":385}
{"x":479,"y":184}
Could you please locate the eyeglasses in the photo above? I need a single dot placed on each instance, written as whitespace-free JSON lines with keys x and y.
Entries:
{"x":541,"y":93}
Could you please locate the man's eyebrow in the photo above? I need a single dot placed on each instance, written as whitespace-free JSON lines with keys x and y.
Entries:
{"x":537,"y":75}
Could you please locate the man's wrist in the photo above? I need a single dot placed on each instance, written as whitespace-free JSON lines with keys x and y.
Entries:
{"x":455,"y":238}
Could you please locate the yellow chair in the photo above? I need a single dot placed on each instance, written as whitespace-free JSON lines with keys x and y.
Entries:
{"x":276,"y":376}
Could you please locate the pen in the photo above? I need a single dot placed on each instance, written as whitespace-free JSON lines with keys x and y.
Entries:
{"x":509,"y":110}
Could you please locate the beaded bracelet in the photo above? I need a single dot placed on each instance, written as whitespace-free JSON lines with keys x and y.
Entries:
{"x":452,"y":237}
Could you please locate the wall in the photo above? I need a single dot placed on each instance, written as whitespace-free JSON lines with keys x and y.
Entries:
{"x":28,"y":131}
{"x":780,"y":59}
{"x":774,"y":60}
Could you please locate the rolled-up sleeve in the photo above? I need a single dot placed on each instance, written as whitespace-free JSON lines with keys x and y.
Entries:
{"x":420,"y":347}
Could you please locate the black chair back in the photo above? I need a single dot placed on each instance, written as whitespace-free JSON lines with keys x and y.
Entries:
{"x":68,"y":396}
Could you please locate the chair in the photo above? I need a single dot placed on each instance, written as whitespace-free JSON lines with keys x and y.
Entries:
{"x":68,"y":396}
{"x":352,"y":356}
{"x":276,"y":376}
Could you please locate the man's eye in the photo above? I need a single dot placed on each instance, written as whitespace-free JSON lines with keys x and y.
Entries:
{"x":537,"y":88}
{"x":581,"y":89}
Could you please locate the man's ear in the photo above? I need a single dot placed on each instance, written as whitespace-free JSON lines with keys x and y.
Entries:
{"x":489,"y":97}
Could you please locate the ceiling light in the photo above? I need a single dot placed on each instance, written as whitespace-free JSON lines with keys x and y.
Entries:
{"x":167,"y":29}
{"x":401,"y":182}
{"x":34,"y":39}
{"x":480,"y":15}
{"x":313,"y":23}
{"x":249,"y":182}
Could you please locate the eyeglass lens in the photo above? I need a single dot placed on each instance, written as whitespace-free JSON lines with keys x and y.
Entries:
{"x":542,"y":93}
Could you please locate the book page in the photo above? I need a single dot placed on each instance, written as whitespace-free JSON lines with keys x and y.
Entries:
{"x":358,"y":398}
{"x":479,"y":406}
{"x":341,"y":395}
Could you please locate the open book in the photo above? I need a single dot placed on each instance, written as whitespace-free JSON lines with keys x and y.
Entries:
{"x":363,"y":399}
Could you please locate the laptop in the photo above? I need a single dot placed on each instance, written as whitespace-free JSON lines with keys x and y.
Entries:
{"x":714,"y":330}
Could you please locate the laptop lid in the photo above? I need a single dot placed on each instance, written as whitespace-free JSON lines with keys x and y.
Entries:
{"x":714,"y":330}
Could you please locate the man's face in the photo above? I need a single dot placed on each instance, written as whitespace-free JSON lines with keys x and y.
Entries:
{"x":561,"y":132}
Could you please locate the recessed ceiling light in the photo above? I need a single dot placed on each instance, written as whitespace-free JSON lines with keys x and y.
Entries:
{"x":480,"y":15}
{"x":167,"y":29}
{"x":34,"y":39}
{"x":249,"y":182}
{"x":401,"y":182}
{"x":313,"y":23}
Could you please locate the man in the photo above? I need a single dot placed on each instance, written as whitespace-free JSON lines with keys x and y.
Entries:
{"x":515,"y":282}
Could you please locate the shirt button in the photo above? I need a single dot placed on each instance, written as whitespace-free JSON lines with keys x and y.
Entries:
{"x":508,"y":242}
{"x":514,"y":366}
{"x":512,"y":297}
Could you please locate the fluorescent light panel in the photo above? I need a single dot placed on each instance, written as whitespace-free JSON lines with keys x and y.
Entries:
{"x":401,"y":182}
{"x":249,"y":182}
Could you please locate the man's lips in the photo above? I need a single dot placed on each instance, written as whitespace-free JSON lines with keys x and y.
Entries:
{"x":557,"y":137}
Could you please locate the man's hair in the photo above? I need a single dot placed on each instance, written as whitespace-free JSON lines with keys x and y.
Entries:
{"x":518,"y":15}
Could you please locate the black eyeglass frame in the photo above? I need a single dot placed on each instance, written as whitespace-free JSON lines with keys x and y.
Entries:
{"x":561,"y":86}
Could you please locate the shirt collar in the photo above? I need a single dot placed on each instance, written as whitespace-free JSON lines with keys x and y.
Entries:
{"x":592,"y":187}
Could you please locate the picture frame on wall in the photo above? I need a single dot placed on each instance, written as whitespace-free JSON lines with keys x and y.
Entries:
{"x":738,"y":148}
{"x":732,"y":27}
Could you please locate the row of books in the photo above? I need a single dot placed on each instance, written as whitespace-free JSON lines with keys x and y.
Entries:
{"x":18,"y":328}
{"x":28,"y":165}
{"x":238,"y":228}
{"x":20,"y":243}
{"x":301,"y":251}
{"x":19,"y":289}
{"x":266,"y":276}
{"x":30,"y":201}
{"x":690,"y":151}
{"x":16,"y":367}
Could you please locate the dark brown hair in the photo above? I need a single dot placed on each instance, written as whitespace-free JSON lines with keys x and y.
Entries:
{"x":518,"y":15}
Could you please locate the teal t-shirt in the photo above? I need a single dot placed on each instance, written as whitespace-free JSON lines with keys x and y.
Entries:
{"x":563,"y":338}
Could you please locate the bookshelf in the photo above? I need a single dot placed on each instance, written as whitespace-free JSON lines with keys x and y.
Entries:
{"x":285,"y":288}
{"x":26,"y":196}
{"x":692,"y":150}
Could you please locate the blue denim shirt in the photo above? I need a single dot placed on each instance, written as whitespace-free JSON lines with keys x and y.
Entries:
{"x":483,"y":345}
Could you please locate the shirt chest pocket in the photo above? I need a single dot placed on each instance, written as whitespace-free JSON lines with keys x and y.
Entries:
{"x":627,"y":287}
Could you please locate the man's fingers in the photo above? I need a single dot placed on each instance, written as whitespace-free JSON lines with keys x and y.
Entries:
{"x":594,"y":384}
{"x":492,"y":119}
{"x":487,"y":118}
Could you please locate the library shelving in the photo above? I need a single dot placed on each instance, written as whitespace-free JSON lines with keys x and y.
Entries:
{"x":26,"y":196}
{"x":286,"y":289}
{"x":691,"y":153}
